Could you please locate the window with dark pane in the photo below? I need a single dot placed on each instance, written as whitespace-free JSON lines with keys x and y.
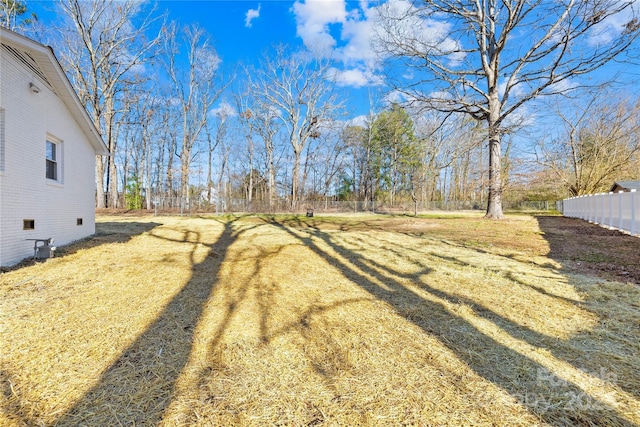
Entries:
{"x":52,"y":164}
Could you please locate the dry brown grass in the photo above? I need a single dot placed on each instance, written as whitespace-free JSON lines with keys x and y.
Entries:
{"x":325,"y":321}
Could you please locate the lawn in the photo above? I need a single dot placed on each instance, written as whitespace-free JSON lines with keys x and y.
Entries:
{"x":334,"y":321}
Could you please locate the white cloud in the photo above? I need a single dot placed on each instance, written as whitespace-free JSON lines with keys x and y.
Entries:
{"x":562,"y":86}
{"x":608,"y":29}
{"x":208,"y":59}
{"x":611,"y":27}
{"x":313,"y":18}
{"x":361,"y":120}
{"x":523,"y":117}
{"x":395,"y":97}
{"x":356,"y":26}
{"x":517,"y":89}
{"x":354,"y":77}
{"x":344,"y":31}
{"x":358,"y":32}
{"x":251,"y":15}
{"x":415,"y":101}
{"x":223,"y":109}
{"x":328,"y":29}
{"x":441,"y":95}
{"x":403,"y":22}
{"x":138,"y":69}
{"x":174,"y":101}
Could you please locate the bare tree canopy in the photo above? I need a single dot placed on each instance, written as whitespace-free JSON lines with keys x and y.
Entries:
{"x":261,"y":119}
{"x":294,"y":87}
{"x":196,"y":87}
{"x":101,"y":50}
{"x":600,"y":143}
{"x":487,"y":58}
{"x":13,"y":14}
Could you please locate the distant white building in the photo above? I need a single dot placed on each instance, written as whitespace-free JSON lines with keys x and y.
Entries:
{"x":48,"y":145}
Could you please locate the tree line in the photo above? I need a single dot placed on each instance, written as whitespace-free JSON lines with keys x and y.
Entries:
{"x":278,"y":133}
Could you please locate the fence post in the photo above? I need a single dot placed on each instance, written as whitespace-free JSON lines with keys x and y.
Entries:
{"x":589,"y":208}
{"x":610,"y":209}
{"x":620,"y":209}
{"x":633,"y":212}
{"x":584,"y":206}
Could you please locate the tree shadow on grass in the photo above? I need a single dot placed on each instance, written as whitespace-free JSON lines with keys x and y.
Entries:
{"x":138,"y":387}
{"x":610,"y":261}
{"x":106,"y":233}
{"x":492,"y":346}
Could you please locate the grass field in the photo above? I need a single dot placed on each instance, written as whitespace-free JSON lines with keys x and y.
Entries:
{"x":333,"y":321}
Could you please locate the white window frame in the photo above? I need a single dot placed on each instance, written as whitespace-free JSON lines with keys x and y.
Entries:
{"x":57,"y":160}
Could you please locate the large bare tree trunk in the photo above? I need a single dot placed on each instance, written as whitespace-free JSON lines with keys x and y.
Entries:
{"x":100,"y":195}
{"x":113,"y":190}
{"x":295,"y":176}
{"x":272,"y":177}
{"x":169,"y":171}
{"x":184,"y":174}
{"x":112,"y":139}
{"x":494,"y":206}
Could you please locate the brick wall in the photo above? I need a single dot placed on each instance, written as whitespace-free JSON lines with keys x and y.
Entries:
{"x":25,"y":192}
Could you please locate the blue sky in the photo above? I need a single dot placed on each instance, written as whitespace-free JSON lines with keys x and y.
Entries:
{"x":243,"y":30}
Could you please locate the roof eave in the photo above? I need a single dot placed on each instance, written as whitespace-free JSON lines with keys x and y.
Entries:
{"x":61,"y":83}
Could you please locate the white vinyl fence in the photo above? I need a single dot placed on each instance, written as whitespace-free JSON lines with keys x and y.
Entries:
{"x":614,"y":210}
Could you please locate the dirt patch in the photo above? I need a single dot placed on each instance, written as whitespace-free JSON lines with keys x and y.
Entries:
{"x":590,"y":249}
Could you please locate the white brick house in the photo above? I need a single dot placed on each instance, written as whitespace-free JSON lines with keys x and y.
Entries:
{"x":48,"y":145}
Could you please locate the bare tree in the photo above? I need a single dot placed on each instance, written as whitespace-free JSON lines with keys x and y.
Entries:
{"x":140,"y":138}
{"x":12,"y":15}
{"x":600,"y":144}
{"x":259,"y":116}
{"x":101,"y":50}
{"x":265,"y":124}
{"x":197,"y":86}
{"x":169,"y":136}
{"x":296,"y":88}
{"x":366,"y":190}
{"x":247,"y":122}
{"x":332,"y":156}
{"x":225,"y":153}
{"x":488,"y":58}
{"x":212,"y":144}
{"x":447,"y":142}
